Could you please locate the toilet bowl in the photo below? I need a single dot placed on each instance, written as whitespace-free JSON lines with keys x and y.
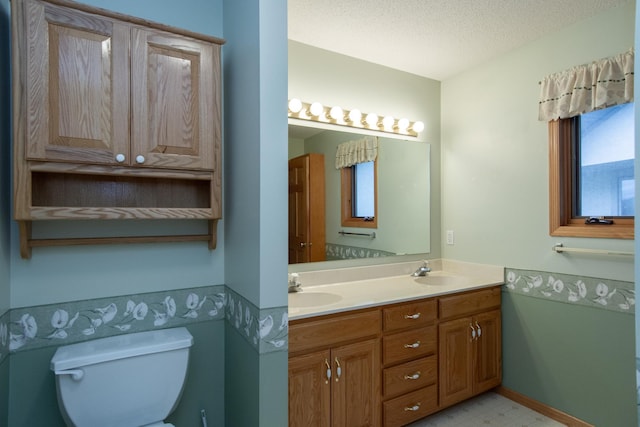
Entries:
{"x":130,"y":380}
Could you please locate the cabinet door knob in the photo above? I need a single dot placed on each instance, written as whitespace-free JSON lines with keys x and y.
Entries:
{"x":139,"y":159}
{"x":120,"y":158}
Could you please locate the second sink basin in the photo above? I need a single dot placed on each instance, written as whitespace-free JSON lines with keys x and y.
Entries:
{"x":312,"y":299}
{"x":440,"y":280}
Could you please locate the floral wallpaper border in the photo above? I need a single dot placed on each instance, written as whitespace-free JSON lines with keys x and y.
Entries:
{"x":607,"y":294}
{"x":4,"y":337}
{"x":66,"y":323}
{"x":335,"y":252}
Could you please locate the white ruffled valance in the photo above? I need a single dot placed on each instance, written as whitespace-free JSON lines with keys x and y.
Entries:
{"x":587,"y":87}
{"x":358,"y":151}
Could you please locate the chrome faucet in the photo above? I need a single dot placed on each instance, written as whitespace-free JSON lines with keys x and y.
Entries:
{"x":294,"y":283}
{"x":422,"y":270}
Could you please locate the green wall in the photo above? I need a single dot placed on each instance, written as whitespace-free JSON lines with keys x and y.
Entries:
{"x":495,"y":198}
{"x":5,"y":201}
{"x":579,"y":360}
{"x":254,"y":60}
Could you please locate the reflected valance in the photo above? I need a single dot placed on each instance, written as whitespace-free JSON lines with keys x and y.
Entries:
{"x":587,"y":87}
{"x":358,"y":151}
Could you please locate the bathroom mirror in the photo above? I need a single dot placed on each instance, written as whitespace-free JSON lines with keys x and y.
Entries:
{"x":403,"y":189}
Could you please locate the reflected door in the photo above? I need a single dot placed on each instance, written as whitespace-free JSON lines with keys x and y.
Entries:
{"x":306,"y":209}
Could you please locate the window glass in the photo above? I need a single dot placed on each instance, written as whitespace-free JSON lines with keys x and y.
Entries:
{"x":363,"y":190}
{"x":605,"y":155}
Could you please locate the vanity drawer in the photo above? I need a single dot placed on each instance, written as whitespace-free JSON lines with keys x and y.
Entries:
{"x":409,"y":345}
{"x":410,"y":314}
{"x":469,"y":303}
{"x":410,"y":376}
{"x":410,"y":407}
{"x":325,"y":331}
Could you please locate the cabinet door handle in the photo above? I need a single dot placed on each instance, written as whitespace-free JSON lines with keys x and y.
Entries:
{"x":338,"y":370}
{"x":473,"y":332}
{"x":414,"y":345}
{"x":326,"y":362}
{"x":120,"y":158}
{"x":479,"y":330}
{"x":412,"y":316}
{"x":414,"y":376}
{"x":413,"y":408}
{"x":140,"y":159}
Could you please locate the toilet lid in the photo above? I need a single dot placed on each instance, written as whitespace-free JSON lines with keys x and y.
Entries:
{"x":119,"y":347}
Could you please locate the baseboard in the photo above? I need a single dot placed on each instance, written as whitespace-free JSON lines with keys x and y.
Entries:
{"x":545,"y":410}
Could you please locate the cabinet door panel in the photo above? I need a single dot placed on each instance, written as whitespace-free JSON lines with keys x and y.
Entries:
{"x":456,"y":361}
{"x":309,"y":390}
{"x":173,"y":120}
{"x":77,"y":93}
{"x":356,"y":390}
{"x":488,"y":352}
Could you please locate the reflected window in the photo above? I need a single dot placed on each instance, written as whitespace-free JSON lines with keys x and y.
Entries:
{"x":358,"y":195}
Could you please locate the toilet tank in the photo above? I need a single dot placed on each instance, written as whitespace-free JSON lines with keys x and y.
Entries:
{"x":126,"y":380}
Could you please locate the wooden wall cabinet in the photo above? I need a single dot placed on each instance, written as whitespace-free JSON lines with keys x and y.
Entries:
{"x":114,"y":118}
{"x":334,"y":370}
{"x":470,"y":345}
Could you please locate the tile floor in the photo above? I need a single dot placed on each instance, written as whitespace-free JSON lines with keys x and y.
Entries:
{"x":489,"y":409}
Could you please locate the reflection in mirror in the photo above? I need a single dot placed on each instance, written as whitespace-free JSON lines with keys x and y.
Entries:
{"x":403,"y":199}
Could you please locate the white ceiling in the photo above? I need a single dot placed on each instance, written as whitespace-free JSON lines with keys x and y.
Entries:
{"x":432,"y":38}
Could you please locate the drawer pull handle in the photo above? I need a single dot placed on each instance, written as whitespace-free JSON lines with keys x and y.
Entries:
{"x":412,"y":316}
{"x":326,"y":362}
{"x":413,"y":408}
{"x":414,"y":345}
{"x":412,"y":377}
{"x":338,"y":370}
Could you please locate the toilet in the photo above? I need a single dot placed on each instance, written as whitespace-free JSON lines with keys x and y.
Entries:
{"x":129,"y":380}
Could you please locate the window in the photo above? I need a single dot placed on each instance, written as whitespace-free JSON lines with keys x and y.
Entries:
{"x":592,"y":174}
{"x":359,"y":195}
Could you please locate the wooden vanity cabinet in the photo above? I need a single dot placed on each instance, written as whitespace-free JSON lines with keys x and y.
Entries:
{"x":470,"y":345}
{"x":114,"y":118}
{"x":410,"y":361}
{"x":399,"y":362}
{"x":334,"y":370}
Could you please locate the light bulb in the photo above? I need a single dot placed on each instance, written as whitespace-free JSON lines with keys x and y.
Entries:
{"x":316,"y":109}
{"x":371,"y":120}
{"x":355,"y":116}
{"x":336,"y":113}
{"x":387,"y":122}
{"x":295,"y":105}
{"x":418,"y":127}
{"x":403,"y":124}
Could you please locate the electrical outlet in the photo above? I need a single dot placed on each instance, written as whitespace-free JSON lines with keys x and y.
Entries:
{"x":450,"y":240}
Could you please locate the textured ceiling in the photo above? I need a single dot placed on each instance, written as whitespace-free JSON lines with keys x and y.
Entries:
{"x":432,"y":38}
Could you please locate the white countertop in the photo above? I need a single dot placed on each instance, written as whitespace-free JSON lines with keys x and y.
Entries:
{"x":342,"y":291}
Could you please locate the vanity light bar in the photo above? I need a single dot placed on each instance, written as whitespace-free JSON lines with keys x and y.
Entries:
{"x":317,"y":112}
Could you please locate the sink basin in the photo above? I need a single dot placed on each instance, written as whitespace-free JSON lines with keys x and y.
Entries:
{"x":312,"y":299}
{"x":440,"y":280}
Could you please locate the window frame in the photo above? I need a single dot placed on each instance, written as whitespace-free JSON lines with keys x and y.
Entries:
{"x":346,"y":195}
{"x":561,"y":176}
